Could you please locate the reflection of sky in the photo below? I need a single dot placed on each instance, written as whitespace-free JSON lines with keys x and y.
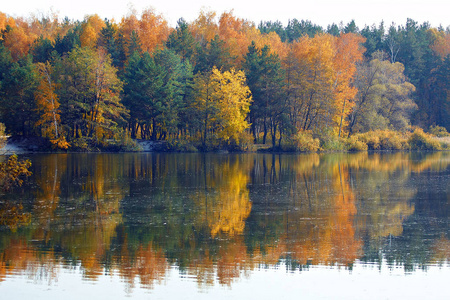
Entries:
{"x":363,"y":282}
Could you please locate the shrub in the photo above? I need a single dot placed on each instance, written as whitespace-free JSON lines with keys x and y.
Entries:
{"x":392,"y":140}
{"x":330,"y":142}
{"x":244,"y":141}
{"x":439,"y":131}
{"x":419,"y":140}
{"x":354,"y":144}
{"x":371,"y":139}
{"x":445,"y":143}
{"x":83,"y":144}
{"x":124,"y":142}
{"x":180,"y":145}
{"x":383,"y":140}
{"x":303,"y":141}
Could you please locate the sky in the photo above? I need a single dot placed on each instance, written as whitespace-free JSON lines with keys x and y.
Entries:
{"x":320,"y":12}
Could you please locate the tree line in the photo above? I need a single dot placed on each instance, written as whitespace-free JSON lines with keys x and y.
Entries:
{"x":217,"y":82}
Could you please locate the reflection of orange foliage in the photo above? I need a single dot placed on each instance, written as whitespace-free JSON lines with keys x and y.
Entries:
{"x":346,"y":246}
{"x":47,"y":196}
{"x":19,"y":258}
{"x":149,"y":264}
{"x":202,"y":268}
{"x":328,"y":237}
{"x":233,"y":260}
{"x":12,"y":216}
{"x":441,"y":250}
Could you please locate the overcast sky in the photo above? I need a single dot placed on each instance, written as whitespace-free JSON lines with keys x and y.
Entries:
{"x":321,"y":12}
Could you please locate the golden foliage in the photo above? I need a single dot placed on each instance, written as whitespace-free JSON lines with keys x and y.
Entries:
{"x":13,"y":171}
{"x":204,"y":28}
{"x":18,"y":42}
{"x":152,"y":29}
{"x":441,"y":45}
{"x":90,"y":31}
{"x":47,"y":107}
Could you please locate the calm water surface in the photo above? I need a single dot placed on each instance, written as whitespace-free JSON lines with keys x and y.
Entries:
{"x":228,"y":226}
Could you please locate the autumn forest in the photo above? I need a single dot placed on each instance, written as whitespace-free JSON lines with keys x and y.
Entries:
{"x":221,"y":82}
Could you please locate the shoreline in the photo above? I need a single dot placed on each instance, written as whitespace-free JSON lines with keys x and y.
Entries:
{"x":147,"y":146}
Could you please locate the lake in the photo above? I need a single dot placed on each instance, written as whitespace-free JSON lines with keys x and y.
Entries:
{"x":228,"y":226}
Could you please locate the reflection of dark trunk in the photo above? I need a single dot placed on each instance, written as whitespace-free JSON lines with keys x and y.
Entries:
{"x":206,"y":187}
{"x":307,"y":192}
{"x":154,"y":168}
{"x":273,"y":172}
{"x":264,"y":169}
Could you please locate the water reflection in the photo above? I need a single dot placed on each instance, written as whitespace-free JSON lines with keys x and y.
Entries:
{"x":218,"y":217}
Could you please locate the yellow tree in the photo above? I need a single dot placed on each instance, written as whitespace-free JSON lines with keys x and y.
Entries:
{"x":271,"y":39}
{"x":222,"y":102}
{"x":233,"y":98}
{"x":47,"y":105}
{"x":46,"y":26}
{"x":128,"y":25}
{"x":233,"y":31}
{"x":90,"y":31}
{"x":153,"y":30}
{"x":309,"y":72}
{"x":204,"y":28}
{"x":441,"y":45}
{"x":348,"y":52}
{"x":6,"y":20}
{"x":17,"y":41}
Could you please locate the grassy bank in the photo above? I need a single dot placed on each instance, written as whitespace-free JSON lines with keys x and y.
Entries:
{"x":303,"y":141}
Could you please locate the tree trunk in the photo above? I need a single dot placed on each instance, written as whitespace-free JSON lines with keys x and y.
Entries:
{"x":265,"y":131}
{"x":154,"y":129}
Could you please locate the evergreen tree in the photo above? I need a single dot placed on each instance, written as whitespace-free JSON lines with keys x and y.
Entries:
{"x":18,"y":81}
{"x":112,"y":41}
{"x":41,"y":50}
{"x":213,"y":54}
{"x":181,"y":41}
{"x":265,"y":79}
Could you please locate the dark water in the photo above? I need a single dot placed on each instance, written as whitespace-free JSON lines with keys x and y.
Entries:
{"x":228,"y":226}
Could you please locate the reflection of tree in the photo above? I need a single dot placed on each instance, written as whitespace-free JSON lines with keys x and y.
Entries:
{"x":81,"y":220}
{"x":441,"y":250}
{"x":217,"y":217}
{"x":383,"y":193}
{"x":225,"y":204}
{"x":13,"y":216}
{"x":319,"y":214}
{"x":92,"y":214}
{"x":146,"y":263}
{"x":21,"y":258}
{"x":48,"y":178}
